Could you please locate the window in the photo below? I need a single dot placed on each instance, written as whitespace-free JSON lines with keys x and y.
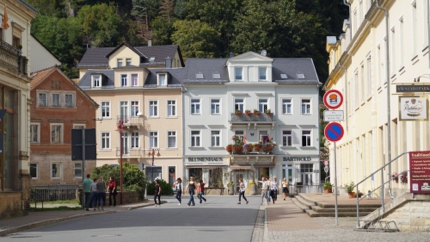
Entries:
{"x":287,"y":138}
{"x":96,"y":81}
{"x":300,"y":76}
{"x":56,"y":170}
{"x":306,"y":173}
{"x":105,"y":140}
{"x":393,"y":50}
{"x":195,"y":106}
{"x":42,"y":99}
{"x":215,"y":106}
{"x":263,"y":105}
{"x":123,"y":80}
{"x":162,"y":80}
{"x":123,"y":110}
{"x":171,"y":108}
{"x":306,"y":106}
{"x":55,"y":99}
{"x":264,"y":137}
{"x":78,"y":170}
{"x":78,"y":126}
{"x":369,"y":75}
{"x":153,"y":139}
{"x":124,"y":140}
{"x":262,"y":73}
{"x":119,"y":62}
{"x":199,"y":76}
{"x":56,"y":133}
{"x":239,"y":134}
{"x":128,"y":62}
{"x":306,"y":138}
{"x":216,"y":76}
{"x":195,"y":138}
{"x":134,"y":81}
{"x":215,"y":138}
{"x":171,"y":139}
{"x":70,"y":101}
{"x":34,"y":133}
{"x":286,"y":106}
{"x":238,"y":73}
{"x":239,"y":104}
{"x":134,"y":108}
{"x":134,"y":140}
{"x":105,"y":109}
{"x":153,"y":108}
{"x":33,"y":171}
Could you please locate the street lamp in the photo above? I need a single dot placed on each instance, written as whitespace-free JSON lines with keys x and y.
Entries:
{"x":120,"y":129}
{"x":152,"y":154}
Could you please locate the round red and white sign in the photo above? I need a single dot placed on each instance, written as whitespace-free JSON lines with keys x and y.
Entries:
{"x":333,"y":99}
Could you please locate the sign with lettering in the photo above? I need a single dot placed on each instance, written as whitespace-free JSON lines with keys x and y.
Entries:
{"x":297,"y":158}
{"x":413,"y":88}
{"x":419,"y":163}
{"x":204,"y":159}
{"x":413,"y":108}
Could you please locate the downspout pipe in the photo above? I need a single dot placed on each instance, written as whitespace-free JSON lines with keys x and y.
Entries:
{"x":388,"y":96}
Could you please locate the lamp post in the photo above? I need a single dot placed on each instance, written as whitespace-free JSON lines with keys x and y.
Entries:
{"x":120,"y":129}
{"x":152,"y":154}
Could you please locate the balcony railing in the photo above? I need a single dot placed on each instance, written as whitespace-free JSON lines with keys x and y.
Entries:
{"x":11,"y":58}
{"x":130,"y":121}
{"x":131,"y":153}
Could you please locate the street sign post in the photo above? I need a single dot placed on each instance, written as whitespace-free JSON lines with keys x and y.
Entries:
{"x":333,"y":132}
{"x":333,"y":115}
{"x":333,"y":99}
{"x":326,"y":169}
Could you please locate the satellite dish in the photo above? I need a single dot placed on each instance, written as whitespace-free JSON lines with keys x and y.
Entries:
{"x":263,"y":52}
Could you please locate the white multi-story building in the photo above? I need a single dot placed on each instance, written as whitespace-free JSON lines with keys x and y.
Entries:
{"x":380,"y":62}
{"x":217,"y":95}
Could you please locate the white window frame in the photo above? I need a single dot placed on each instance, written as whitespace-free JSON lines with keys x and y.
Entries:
{"x":119,"y":62}
{"x":162,"y":79}
{"x":73,"y":102}
{"x":56,"y":102}
{"x":215,"y":106}
{"x":134,"y":108}
{"x":134,"y":81}
{"x":238,"y":73}
{"x":105,"y":105}
{"x":96,"y":81}
{"x":153,"y":108}
{"x":263,"y":104}
{"x":262,"y":73}
{"x":52,"y":126}
{"x":76,"y":166}
{"x":196,"y":138}
{"x":240,"y":134}
{"x":37,"y":170}
{"x":287,"y":138}
{"x":171,"y":108}
{"x":128,"y":62}
{"x":287,"y":106}
{"x":124,"y":80}
{"x":105,"y":140}
{"x":306,"y":107}
{"x":195,"y":107}
{"x":35,"y":138}
{"x":239,"y":104}
{"x":60,"y":167}
{"x":171,"y":134}
{"x":135,"y":140}
{"x":216,"y":138}
{"x":153,"y":139}
{"x":307,"y":138}
{"x":42,"y":102}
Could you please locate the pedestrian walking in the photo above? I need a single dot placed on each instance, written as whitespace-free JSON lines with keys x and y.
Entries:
{"x":242,"y":191}
{"x":94,"y":194}
{"x":274,"y":189}
{"x":87,"y":191}
{"x":191,"y":187}
{"x":101,"y":193}
{"x":264,"y":188}
{"x":178,"y":186}
{"x":157,"y":193}
{"x":268,"y":189}
{"x":285,"y":190}
{"x":112,"y":191}
{"x":201,"y":191}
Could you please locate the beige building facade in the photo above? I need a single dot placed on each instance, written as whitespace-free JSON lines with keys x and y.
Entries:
{"x":382,"y":54}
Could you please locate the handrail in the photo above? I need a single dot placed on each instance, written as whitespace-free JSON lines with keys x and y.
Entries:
{"x":381,"y":186}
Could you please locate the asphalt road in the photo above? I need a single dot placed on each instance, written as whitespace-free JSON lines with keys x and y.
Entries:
{"x":219,"y":219}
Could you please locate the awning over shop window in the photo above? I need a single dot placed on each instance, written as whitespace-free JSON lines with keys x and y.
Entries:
{"x":244,"y":168}
{"x":264,"y":165}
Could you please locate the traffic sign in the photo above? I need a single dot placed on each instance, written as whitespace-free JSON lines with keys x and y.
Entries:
{"x":333,"y":99}
{"x":333,"y":132}
{"x":326,"y":163}
{"x":326,"y":169}
{"x":333,"y":115}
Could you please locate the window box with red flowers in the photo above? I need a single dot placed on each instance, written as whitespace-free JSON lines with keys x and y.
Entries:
{"x":248,"y":113}
{"x":238,"y":112}
{"x":256,"y":112}
{"x":268,"y":112}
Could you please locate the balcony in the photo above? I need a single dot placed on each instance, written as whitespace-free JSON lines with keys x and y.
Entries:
{"x":252,"y":119}
{"x":130,"y":153}
{"x":11,"y":58}
{"x":130,"y":122}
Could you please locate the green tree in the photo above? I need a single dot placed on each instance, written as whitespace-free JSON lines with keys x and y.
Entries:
{"x":146,"y":10}
{"x":196,"y":39}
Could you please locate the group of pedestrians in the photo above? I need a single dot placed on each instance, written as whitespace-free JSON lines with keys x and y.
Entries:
{"x":269,"y":189}
{"x":95,"y":189}
{"x":192,"y":187}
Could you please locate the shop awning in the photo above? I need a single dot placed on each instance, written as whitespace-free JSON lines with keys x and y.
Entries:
{"x":240,"y":168}
{"x":270,"y":165}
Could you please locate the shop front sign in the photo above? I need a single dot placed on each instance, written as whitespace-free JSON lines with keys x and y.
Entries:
{"x":205,"y":159}
{"x":419,"y":163}
{"x":292,"y":158}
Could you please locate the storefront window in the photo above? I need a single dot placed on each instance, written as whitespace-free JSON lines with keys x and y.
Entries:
{"x":153,"y":173}
{"x":215,"y":177}
{"x":196,"y":173}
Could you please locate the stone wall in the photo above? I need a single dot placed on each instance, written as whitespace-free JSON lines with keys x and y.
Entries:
{"x":10,"y":205}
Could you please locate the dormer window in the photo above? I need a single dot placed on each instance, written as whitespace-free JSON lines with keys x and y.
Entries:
{"x":284,"y":76}
{"x":262,"y":73}
{"x":119,"y":62}
{"x":238,"y":73}
{"x":128,"y":62}
{"x":151,"y":59}
{"x":216,"y":76}
{"x":96,"y":80}
{"x":199,"y":75}
{"x":300,"y":76}
{"x":162,"y":79}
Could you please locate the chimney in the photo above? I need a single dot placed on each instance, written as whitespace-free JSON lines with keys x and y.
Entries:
{"x":149,"y":42}
{"x":168,"y":62}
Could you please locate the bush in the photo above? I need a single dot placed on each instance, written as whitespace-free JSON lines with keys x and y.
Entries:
{"x":166,"y":188}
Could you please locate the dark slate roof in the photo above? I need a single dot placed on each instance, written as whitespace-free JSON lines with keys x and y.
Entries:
{"x":98,"y":57}
{"x":289,"y":66}
{"x":174,"y":79}
{"x":107,"y":79}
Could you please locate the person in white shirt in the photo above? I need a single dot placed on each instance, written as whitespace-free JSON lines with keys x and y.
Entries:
{"x":178,"y":186}
{"x":242,"y":191}
{"x":274,"y":189}
{"x":264,"y":188}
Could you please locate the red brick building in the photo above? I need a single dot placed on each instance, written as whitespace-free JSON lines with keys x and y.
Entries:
{"x":58,"y":105}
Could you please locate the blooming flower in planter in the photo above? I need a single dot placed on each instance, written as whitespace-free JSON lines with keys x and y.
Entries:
{"x":395,"y":177}
{"x":256,"y":112}
{"x":238,"y":112}
{"x":248,"y":112}
{"x":229,"y":148}
{"x":237,"y":149}
{"x":404,"y":178}
{"x":248,"y":147}
{"x":257,"y":147}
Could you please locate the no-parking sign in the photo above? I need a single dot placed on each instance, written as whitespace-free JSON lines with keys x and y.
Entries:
{"x":333,"y":131}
